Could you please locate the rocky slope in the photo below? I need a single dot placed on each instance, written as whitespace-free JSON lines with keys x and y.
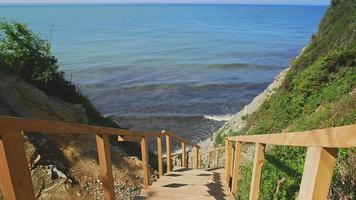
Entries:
{"x":63,"y":167}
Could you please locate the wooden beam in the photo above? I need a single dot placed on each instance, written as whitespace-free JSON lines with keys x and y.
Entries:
{"x":228,"y":159}
{"x":15,"y":175}
{"x":318,"y":171}
{"x":180,"y":138}
{"x":196,"y":165}
{"x":145,"y":164}
{"x":209,"y":158}
{"x":103,"y":145}
{"x":199,"y":159}
{"x":338,"y":137}
{"x":128,"y":138}
{"x":184,"y":155}
{"x":10,"y":125}
{"x":258,"y":162}
{"x":159,"y":155}
{"x":169,"y":153}
{"x":217,"y":157}
{"x":236,"y":168}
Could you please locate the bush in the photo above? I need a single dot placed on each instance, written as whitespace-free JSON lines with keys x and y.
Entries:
{"x":28,"y":55}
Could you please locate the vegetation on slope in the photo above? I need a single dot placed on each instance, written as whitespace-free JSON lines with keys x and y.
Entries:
{"x":28,"y":55}
{"x":318,"y":92}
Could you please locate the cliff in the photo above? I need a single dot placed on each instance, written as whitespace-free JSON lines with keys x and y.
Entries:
{"x":63,"y":166}
{"x":317,"y":91}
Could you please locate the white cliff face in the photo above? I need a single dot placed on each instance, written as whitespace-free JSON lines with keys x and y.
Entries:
{"x":238,"y":120}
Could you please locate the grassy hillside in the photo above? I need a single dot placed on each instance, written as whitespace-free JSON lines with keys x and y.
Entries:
{"x":319,"y":92}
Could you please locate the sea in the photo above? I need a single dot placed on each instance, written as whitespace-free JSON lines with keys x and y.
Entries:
{"x":183,"y":67}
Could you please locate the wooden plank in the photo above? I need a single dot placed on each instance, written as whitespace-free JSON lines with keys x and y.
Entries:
{"x":318,"y":171}
{"x":103,"y":145}
{"x":169,"y":153}
{"x":180,"y":138}
{"x":196,"y":158}
{"x":209,"y":158}
{"x":159,"y":155}
{"x":9,"y":125}
{"x":184,"y":155}
{"x":128,"y":138}
{"x":232,"y":157}
{"x":258,"y":162}
{"x":338,"y":137}
{"x":217,"y":157}
{"x":144,"y":155}
{"x":15,"y":175}
{"x":228,"y":159}
{"x":236,"y":168}
{"x":199,"y":158}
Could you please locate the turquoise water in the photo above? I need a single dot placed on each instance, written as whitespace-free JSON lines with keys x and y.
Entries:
{"x":171,"y":60}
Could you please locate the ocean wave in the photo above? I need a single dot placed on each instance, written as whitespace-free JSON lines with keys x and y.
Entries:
{"x":220,"y":118}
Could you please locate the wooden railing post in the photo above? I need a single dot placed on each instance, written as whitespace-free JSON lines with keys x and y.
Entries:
{"x":228,"y":159}
{"x":318,"y":171}
{"x":199,"y":159}
{"x":144,"y":154}
{"x":159,"y":155}
{"x":217,"y":157}
{"x":258,"y":162}
{"x":196,"y":166}
{"x":169,"y":154}
{"x":103,"y":145}
{"x":184,"y":155}
{"x":236,"y":168}
{"x":15,"y":175}
{"x":209,"y":158}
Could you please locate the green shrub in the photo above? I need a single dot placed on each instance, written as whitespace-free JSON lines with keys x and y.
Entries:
{"x":318,"y":92}
{"x":28,"y":55}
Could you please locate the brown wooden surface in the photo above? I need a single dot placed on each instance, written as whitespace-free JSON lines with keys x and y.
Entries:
{"x":177,"y":137}
{"x":188,"y":184}
{"x":339,"y":137}
{"x":168,"y":153}
{"x":258,"y":162}
{"x":11,"y":124}
{"x":128,"y":138}
{"x":103,"y":145}
{"x":196,"y":158}
{"x":184,"y":155}
{"x":217,"y":157}
{"x":144,"y":155}
{"x":159,"y":155}
{"x":317,"y":174}
{"x":15,"y":175}
{"x":209,"y":159}
{"x":236,"y":168}
{"x":228,"y":161}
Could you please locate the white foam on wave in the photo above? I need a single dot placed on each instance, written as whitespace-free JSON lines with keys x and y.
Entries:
{"x":221,"y":118}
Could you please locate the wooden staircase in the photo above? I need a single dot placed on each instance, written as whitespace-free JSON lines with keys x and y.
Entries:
{"x":188,"y":181}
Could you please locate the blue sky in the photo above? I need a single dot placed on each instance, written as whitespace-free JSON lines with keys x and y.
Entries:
{"x":289,"y":2}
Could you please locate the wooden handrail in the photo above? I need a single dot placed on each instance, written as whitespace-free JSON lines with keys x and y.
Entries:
{"x":339,"y":137}
{"x":322,"y":145}
{"x":14,"y":124}
{"x":179,"y":138}
{"x":14,"y":171}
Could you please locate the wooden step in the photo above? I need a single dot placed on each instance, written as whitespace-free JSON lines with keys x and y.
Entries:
{"x":185,"y":184}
